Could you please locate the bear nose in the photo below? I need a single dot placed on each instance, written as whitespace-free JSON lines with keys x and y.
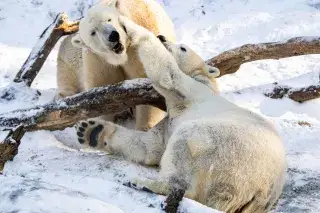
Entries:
{"x":162,"y":38}
{"x":114,"y":36}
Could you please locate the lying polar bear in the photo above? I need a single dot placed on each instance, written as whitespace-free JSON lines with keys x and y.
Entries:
{"x":224,"y":156}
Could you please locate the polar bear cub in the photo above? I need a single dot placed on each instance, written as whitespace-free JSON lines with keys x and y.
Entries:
{"x":224,"y":156}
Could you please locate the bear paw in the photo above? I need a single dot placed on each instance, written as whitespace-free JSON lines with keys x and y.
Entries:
{"x":90,"y":133}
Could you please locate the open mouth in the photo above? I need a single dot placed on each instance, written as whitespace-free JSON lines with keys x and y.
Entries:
{"x":118,"y":48}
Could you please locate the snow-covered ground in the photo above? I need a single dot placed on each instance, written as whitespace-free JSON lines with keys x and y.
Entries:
{"x":50,"y":174}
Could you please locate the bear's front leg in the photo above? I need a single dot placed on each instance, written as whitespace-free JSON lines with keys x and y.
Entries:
{"x":141,"y":147}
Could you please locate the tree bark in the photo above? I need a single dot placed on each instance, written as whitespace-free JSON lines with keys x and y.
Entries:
{"x":230,"y":61}
{"x":9,"y":146}
{"x":297,"y":94}
{"x":66,"y":112}
{"x":43,"y":47}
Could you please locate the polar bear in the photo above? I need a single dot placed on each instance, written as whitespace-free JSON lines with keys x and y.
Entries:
{"x":224,"y":156}
{"x":101,"y":54}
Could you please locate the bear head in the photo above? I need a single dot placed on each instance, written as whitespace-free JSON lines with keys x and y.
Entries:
{"x":101,"y":33}
{"x":191,"y":63}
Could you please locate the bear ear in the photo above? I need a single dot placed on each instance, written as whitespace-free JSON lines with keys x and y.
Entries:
{"x":114,"y":3}
{"x":77,"y":41}
{"x":213,"y":71}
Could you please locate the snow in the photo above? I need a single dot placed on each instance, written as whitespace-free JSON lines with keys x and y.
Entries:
{"x":52,"y":174}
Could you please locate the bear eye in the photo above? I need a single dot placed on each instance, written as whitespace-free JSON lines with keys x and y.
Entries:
{"x":183,"y":49}
{"x":93,"y":33}
{"x":109,"y":19}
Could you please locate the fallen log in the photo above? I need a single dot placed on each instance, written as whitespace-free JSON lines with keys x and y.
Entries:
{"x":230,"y":61}
{"x":64,"y":113}
{"x":39,"y":53}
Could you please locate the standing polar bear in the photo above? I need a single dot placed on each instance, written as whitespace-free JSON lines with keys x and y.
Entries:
{"x":224,"y":156}
{"x":101,"y":54}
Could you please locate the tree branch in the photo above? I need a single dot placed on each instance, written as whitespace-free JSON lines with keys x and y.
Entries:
{"x":230,"y":61}
{"x":95,"y":102}
{"x":300,"y":95}
{"x":43,"y":47}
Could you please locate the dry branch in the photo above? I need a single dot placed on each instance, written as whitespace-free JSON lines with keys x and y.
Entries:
{"x":43,"y":47}
{"x":230,"y":61}
{"x":95,"y":102}
{"x":9,"y":146}
{"x":300,"y":95}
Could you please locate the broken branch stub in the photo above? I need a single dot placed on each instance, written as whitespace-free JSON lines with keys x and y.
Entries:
{"x":9,"y":146}
{"x":230,"y":61}
{"x":299,"y":95}
{"x":39,"y":53}
{"x":66,"y":112}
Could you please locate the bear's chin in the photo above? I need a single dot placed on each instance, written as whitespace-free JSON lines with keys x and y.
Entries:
{"x":116,"y":59}
{"x":118,"y":48}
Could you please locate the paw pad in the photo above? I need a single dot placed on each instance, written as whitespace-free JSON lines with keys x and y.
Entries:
{"x":84,"y":125}
{"x":94,"y":135}
{"x":88,"y":132}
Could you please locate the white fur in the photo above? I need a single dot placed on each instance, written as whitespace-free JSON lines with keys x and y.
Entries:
{"x":224,"y":156}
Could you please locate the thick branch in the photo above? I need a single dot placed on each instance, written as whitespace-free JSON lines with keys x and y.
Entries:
{"x":299,"y":95}
{"x":42,"y":49}
{"x":95,"y":102}
{"x":230,"y":61}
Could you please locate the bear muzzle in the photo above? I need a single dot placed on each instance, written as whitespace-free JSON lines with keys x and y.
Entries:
{"x":118,"y":48}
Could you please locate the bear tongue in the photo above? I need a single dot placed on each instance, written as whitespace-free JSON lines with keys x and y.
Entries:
{"x":118,"y":48}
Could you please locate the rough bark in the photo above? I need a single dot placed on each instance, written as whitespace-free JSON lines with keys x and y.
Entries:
{"x":43,"y":47}
{"x":65,"y":113}
{"x":9,"y":146}
{"x":299,"y":95}
{"x":230,"y":61}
